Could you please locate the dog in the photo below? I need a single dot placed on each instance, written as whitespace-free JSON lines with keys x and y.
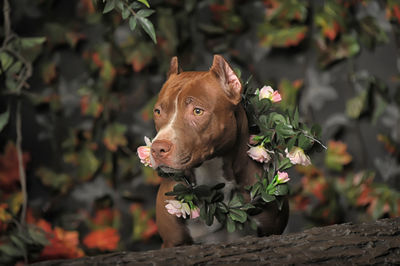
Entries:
{"x":202,"y":130}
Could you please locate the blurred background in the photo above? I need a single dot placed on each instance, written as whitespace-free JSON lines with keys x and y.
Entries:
{"x":79,"y":79}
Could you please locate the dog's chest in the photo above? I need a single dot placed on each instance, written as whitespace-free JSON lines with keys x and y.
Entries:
{"x":210,"y":173}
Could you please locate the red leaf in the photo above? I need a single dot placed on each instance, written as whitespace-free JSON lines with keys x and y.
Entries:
{"x":9,"y":173}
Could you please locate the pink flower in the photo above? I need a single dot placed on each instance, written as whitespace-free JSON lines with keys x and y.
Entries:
{"x":254,"y":139}
{"x":144,"y":152}
{"x":297,"y":156}
{"x":267,"y":92}
{"x":178,"y":208}
{"x":283,"y":177}
{"x":259,"y":154}
{"x":194,"y":213}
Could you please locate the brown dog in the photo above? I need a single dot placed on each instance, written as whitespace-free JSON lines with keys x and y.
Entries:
{"x":203,"y":131}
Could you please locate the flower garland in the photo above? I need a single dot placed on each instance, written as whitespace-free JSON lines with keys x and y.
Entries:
{"x":279,"y":142}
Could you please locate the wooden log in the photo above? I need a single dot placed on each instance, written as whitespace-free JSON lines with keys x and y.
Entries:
{"x":360,"y":244}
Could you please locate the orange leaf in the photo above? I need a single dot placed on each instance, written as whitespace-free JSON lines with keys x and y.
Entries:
{"x":102,"y":239}
{"x":62,"y":244}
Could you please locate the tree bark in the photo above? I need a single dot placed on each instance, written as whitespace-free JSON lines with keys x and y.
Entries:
{"x":361,"y":244}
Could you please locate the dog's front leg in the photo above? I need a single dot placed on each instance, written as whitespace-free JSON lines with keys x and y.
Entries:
{"x":172,"y":229}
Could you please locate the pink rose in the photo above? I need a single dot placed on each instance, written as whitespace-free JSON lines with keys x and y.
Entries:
{"x":259,"y":154}
{"x":194,"y":213}
{"x":297,"y":156}
{"x":283,"y":177}
{"x":178,"y":208}
{"x":144,"y":152}
{"x":267,"y":92}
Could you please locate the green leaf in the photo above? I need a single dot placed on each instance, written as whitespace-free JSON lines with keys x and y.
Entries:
{"x":236,"y":201}
{"x":31,"y":42}
{"x":238,"y":215}
{"x":11,"y":250}
{"x":202,"y":191}
{"x":296,"y":118}
{"x":144,"y":13}
{"x":277,"y":118}
{"x":110,"y":5}
{"x":255,"y":190}
{"x":125,"y":13}
{"x":6,"y":61}
{"x":247,"y":206}
{"x":148,"y":27}
{"x":291,"y":143}
{"x":218,"y":186}
{"x":267,"y":197}
{"x":304,"y":142}
{"x":230,"y":225}
{"x":281,"y":190}
{"x":180,"y":188}
{"x":4,"y":117}
{"x":253,"y":224}
{"x":144,"y":2}
{"x":284,"y":164}
{"x":284,"y":130}
{"x":222,"y":207}
{"x":132,"y":23}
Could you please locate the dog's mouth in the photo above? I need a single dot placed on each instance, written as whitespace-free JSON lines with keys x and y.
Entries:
{"x":184,"y":164}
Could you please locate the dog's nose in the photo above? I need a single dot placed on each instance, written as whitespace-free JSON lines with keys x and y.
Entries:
{"x":160,"y":148}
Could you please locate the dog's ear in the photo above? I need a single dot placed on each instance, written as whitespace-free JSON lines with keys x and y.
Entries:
{"x":230,"y":82}
{"x":174,"y":67}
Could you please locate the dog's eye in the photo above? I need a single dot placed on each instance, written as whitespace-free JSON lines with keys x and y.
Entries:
{"x":157,"y":111}
{"x":198,"y":111}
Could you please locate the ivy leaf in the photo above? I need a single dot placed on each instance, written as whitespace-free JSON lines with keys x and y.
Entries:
{"x":4,"y":117}
{"x":147,"y":27}
{"x":110,"y":5}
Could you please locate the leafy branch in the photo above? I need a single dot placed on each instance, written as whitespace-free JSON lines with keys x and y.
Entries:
{"x":128,"y":12}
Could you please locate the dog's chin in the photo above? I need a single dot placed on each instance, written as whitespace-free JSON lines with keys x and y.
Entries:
{"x":170,"y":170}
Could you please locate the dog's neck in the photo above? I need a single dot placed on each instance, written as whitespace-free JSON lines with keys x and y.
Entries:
{"x":233,"y":166}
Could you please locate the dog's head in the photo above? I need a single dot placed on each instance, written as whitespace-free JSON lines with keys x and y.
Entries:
{"x":195,"y":116}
